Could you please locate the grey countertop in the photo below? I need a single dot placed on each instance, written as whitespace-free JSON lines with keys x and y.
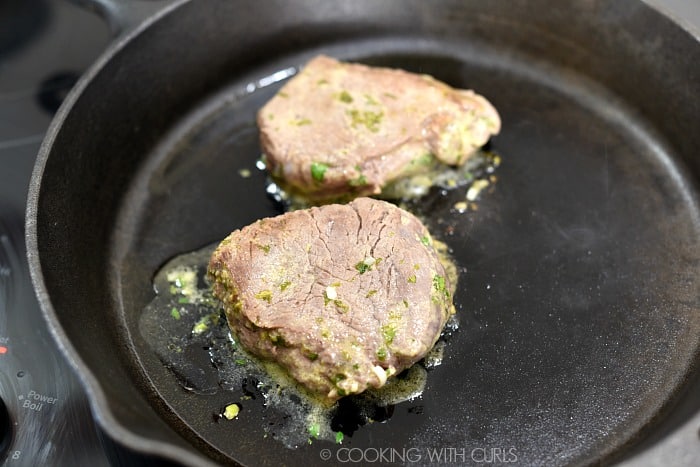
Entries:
{"x":686,"y":12}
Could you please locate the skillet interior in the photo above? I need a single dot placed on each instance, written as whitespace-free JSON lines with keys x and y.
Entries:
{"x":579,"y":305}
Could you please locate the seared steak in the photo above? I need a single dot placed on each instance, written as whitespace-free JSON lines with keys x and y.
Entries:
{"x":339,"y":129}
{"x":340,"y":296}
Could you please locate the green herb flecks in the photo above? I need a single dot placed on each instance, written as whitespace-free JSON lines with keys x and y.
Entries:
{"x":345,"y":97}
{"x":265,"y":295}
{"x":367,"y":118}
{"x":360,"y":180}
{"x":302,"y":121}
{"x":369,"y":100}
{"x":439,"y":286}
{"x":175,"y":313}
{"x":277,"y":339}
{"x":338,"y":377}
{"x":318,"y":171}
{"x":339,"y":437}
{"x":314,"y":430}
{"x":365,"y":265}
{"x":388,"y":332}
{"x":310,"y":354}
{"x":331,"y":295}
{"x":423,"y":160}
{"x":204,"y":322}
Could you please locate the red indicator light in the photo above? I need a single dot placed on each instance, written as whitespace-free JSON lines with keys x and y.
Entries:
{"x":3,"y":349}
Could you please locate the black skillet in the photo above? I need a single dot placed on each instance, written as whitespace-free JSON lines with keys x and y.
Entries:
{"x":579,"y":305}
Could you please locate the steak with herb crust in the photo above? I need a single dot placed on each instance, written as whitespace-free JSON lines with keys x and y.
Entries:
{"x":339,"y":130}
{"x":340,"y":296}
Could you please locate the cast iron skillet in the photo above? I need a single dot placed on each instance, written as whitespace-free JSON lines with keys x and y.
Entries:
{"x":579,"y":304}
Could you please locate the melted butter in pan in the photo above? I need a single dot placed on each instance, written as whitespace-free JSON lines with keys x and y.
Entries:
{"x":184,"y":318}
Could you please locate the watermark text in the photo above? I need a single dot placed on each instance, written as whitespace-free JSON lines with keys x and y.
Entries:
{"x":441,"y":455}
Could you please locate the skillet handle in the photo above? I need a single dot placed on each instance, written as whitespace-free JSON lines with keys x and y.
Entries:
{"x":123,"y":16}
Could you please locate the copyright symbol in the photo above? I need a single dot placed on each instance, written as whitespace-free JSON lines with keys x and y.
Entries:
{"x":325,"y":454}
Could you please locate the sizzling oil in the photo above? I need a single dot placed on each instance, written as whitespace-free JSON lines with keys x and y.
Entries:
{"x":474,"y":175}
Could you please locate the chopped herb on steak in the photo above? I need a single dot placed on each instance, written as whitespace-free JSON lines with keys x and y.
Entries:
{"x":366,"y":127}
{"x":345,"y":297}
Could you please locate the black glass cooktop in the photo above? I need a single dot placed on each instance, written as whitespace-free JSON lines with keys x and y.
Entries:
{"x":45,"y":418}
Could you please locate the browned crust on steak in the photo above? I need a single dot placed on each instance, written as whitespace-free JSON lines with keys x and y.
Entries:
{"x":340,"y":296}
{"x":368,"y":125}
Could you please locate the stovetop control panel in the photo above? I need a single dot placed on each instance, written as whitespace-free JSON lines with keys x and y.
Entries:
{"x":45,"y":418}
